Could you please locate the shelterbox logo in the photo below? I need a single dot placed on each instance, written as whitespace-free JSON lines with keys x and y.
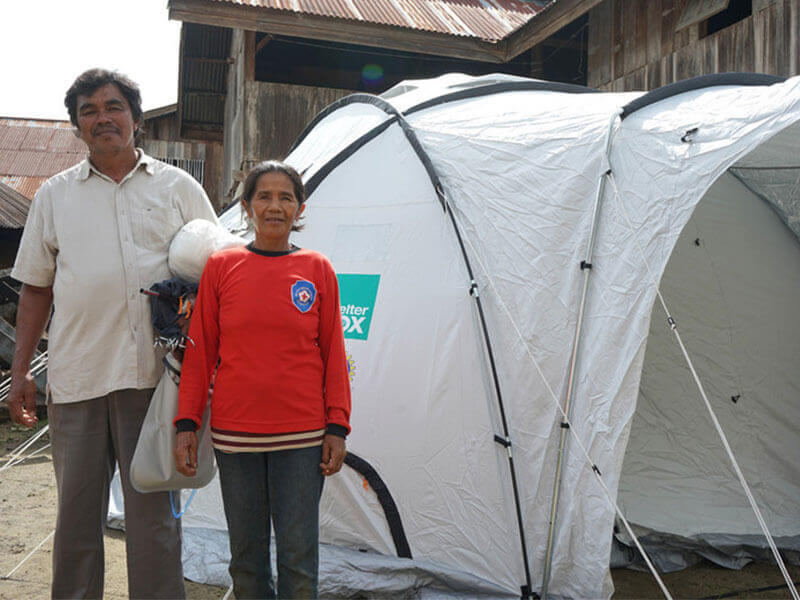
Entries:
{"x":357,"y":296}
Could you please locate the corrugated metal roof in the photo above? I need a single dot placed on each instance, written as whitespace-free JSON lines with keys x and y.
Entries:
{"x":13,"y":208}
{"x":27,"y":186}
{"x":32,"y":150}
{"x":489,"y":20}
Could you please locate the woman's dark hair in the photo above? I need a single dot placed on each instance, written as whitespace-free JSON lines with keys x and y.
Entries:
{"x":89,"y":81}
{"x":274,"y":166}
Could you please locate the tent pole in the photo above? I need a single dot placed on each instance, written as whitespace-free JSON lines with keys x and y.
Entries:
{"x":586,"y":267}
{"x":505,"y":441}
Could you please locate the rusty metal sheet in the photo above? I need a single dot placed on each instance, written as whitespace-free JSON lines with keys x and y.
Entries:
{"x":492,"y":20}
{"x":484,"y":19}
{"x":23,"y":162}
{"x":386,"y":13}
{"x":64,"y":140}
{"x":425,"y":16}
{"x":328,"y":8}
{"x":11,"y":137}
{"x":33,"y":150}
{"x":27,"y":186}
{"x":37,"y":138}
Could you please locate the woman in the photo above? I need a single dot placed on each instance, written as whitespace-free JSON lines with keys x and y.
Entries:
{"x":269,"y":312}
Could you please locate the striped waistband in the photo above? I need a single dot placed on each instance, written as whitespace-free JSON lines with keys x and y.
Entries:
{"x":241,"y":441}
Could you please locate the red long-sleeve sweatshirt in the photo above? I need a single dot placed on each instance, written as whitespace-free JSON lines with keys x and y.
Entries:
{"x":274,"y":322}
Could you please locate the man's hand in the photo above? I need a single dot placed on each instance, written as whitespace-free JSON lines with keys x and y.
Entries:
{"x":333,"y":451}
{"x":33,"y":311}
{"x":186,"y":453}
{"x":21,"y":400}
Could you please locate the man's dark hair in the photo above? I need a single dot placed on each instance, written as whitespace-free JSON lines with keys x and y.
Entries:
{"x":275,"y":166}
{"x":89,"y":81}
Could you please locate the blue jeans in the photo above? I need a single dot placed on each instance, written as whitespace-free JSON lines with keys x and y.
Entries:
{"x":285,"y":485}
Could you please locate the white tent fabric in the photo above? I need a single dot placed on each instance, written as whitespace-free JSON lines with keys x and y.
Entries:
{"x":521,"y":170}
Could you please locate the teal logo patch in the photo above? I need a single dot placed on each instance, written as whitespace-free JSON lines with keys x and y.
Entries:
{"x":357,"y":295}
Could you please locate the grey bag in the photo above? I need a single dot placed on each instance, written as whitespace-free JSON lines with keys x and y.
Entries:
{"x":153,"y":466}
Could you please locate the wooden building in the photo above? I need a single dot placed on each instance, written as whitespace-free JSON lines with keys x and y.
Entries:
{"x":253,"y":74}
{"x":202,"y":159}
{"x":638,"y":45}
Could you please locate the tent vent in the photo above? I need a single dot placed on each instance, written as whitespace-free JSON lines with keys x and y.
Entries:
{"x":527,"y":594}
{"x":596,"y":470}
{"x":688,"y":137}
{"x":735,"y":398}
{"x":564,"y":425}
{"x":697,"y":241}
{"x":585,"y":265}
{"x":473,"y":289}
{"x":672,"y":324}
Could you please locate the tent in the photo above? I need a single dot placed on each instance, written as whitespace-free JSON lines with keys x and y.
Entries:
{"x":501,"y":243}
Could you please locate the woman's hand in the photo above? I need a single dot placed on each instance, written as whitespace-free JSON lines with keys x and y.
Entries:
{"x":186,"y":453}
{"x":333,"y":451}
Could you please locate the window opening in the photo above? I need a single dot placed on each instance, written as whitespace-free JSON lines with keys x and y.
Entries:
{"x":193,"y":166}
{"x":737,"y":10}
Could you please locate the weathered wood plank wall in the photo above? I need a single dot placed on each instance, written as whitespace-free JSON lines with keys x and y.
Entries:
{"x":633,"y":44}
{"x":162,"y":140}
{"x":262,"y":119}
{"x":276,"y":113}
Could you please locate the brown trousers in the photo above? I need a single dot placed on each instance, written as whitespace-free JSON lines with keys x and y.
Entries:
{"x":87,"y":439}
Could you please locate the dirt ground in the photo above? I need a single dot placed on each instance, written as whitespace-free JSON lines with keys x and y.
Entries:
{"x":27,"y":518}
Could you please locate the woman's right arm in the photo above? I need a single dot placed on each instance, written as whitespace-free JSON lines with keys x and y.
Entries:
{"x":199,"y":361}
{"x":200,"y":357}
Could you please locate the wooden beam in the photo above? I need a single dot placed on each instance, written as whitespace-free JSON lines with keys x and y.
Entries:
{"x":249,"y":55}
{"x":201,"y":132}
{"x":203,"y":59}
{"x":263,"y":42}
{"x":543,"y":25}
{"x":180,"y":77}
{"x":288,"y":23}
{"x":553,"y":42}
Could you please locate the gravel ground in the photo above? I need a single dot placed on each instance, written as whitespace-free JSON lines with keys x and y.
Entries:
{"x":27,"y":517}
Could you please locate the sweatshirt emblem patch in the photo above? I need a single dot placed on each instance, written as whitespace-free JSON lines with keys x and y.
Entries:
{"x":303,"y":295}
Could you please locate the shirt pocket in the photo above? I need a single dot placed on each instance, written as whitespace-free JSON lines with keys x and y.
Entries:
{"x":155,"y":223}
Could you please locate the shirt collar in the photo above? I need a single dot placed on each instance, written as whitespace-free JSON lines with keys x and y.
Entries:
{"x":86,"y":167}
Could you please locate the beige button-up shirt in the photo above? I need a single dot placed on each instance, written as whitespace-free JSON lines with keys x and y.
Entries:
{"x":97,"y":243}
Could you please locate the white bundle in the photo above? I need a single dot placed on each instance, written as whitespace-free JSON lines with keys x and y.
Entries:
{"x":194,"y":243}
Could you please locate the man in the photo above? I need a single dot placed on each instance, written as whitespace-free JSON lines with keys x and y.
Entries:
{"x":95,"y":235}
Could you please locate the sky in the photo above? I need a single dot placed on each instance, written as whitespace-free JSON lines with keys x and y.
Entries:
{"x":45,"y":44}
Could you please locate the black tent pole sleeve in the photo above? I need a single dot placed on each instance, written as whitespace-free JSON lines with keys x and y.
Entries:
{"x":390,"y":511}
{"x":697,"y":83}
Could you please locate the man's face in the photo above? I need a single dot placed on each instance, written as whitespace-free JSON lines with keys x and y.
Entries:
{"x":105,"y":121}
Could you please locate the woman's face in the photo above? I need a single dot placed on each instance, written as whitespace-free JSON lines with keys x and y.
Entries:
{"x":273,"y":209}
